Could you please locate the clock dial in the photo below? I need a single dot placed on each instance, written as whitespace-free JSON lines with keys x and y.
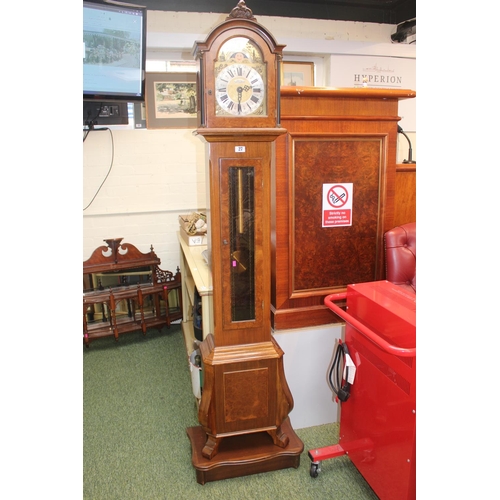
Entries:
{"x":240,"y":90}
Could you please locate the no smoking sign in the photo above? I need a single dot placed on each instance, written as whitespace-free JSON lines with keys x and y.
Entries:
{"x":337,"y":204}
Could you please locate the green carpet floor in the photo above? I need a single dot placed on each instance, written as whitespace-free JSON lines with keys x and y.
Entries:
{"x":137,"y":404}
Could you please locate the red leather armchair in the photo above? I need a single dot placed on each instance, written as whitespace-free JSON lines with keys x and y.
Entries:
{"x":401,"y":256}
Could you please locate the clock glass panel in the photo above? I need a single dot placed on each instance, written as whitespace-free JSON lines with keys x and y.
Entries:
{"x":240,"y":79}
{"x":242,"y":241}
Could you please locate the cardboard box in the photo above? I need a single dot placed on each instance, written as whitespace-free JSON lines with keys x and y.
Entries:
{"x":193,"y":239}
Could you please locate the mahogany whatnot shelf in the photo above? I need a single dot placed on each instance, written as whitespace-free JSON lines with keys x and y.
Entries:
{"x":125,"y":290}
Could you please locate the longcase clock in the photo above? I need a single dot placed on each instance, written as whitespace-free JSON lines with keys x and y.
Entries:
{"x":244,"y":389}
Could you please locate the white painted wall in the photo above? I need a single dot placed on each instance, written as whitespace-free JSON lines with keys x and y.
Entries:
{"x":307,"y":360}
{"x":156,"y":176}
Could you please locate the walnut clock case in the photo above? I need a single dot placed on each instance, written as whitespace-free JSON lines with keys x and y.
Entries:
{"x":245,"y":392}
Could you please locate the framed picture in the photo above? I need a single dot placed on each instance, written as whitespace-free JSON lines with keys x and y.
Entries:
{"x":171,"y":100}
{"x":297,"y":74}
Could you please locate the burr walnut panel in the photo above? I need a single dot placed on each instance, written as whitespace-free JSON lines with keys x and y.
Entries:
{"x":250,"y":403}
{"x":326,"y":257}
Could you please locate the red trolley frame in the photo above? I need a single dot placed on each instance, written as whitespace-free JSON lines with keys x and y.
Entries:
{"x":378,"y":420}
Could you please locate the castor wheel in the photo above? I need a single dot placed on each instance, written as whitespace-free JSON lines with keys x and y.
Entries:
{"x":315,"y":469}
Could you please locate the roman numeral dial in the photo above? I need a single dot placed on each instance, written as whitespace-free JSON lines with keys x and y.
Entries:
{"x":240,"y":90}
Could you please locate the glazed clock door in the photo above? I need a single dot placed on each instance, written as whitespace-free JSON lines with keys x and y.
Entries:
{"x":239,"y":234}
{"x":242,"y":242}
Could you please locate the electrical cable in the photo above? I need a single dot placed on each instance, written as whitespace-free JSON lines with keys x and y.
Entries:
{"x":343,"y":391}
{"x":110,"y":166}
{"x":90,"y":123}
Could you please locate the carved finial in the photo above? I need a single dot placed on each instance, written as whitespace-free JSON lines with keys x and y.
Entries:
{"x":241,"y":11}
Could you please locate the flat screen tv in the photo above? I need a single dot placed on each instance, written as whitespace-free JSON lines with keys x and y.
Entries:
{"x":114,"y":51}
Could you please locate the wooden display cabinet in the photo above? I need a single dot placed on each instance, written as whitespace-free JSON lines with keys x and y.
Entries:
{"x":334,"y":135}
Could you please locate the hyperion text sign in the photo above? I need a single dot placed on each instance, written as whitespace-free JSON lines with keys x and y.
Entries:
{"x":337,"y":205}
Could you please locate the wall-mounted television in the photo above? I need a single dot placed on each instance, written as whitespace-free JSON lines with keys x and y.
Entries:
{"x":114,"y":51}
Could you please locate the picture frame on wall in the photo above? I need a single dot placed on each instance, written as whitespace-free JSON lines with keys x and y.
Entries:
{"x":171,"y":100}
{"x":295,"y":74}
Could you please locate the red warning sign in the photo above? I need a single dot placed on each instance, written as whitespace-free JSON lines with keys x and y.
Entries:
{"x":337,"y":205}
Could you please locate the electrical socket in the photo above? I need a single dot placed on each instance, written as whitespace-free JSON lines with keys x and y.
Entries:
{"x":109,"y":111}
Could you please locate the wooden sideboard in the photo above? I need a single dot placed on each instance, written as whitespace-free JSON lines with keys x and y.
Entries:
{"x":125,"y":290}
{"x":333,"y":136}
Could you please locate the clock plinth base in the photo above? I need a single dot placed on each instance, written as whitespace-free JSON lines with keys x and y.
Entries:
{"x":211,"y":448}
{"x":243,"y":455}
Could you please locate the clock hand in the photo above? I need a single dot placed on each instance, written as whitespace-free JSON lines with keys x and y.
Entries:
{"x":240,"y":91}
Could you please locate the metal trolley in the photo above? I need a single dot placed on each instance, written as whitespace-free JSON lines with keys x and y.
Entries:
{"x":374,"y":376}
